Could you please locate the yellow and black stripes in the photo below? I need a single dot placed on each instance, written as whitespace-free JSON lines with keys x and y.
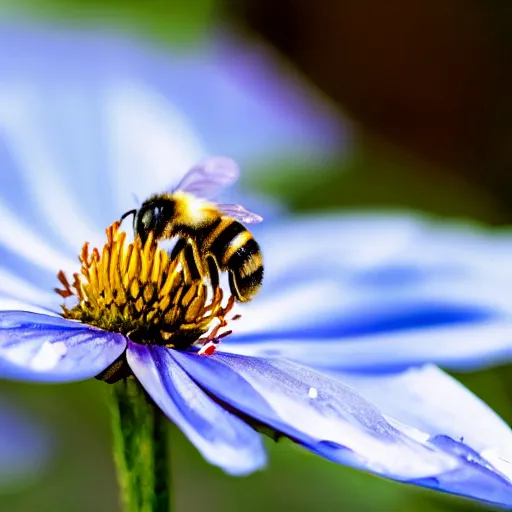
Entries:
{"x":236,"y":251}
{"x":221,"y":237}
{"x":245,"y":280}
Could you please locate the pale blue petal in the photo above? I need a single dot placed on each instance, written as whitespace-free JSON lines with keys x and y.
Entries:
{"x":92,"y":119}
{"x":459,"y":347}
{"x":46,"y":348}
{"x":342,"y":318}
{"x":13,"y":303}
{"x":367,"y":241}
{"x":474,"y":478}
{"x":26,"y":254}
{"x":319,"y":412}
{"x":222,"y":438}
{"x":336,"y":422}
{"x":430,"y":400}
{"x":20,"y":269}
{"x":49,"y":192}
{"x":246,"y":104}
{"x":393,"y":255}
{"x":362,"y":291}
{"x":75,"y":110}
{"x":28,"y":290}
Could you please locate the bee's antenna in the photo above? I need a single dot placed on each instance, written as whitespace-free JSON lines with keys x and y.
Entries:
{"x":127,"y":214}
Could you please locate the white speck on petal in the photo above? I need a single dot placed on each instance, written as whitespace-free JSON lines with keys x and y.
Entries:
{"x":313,"y":393}
{"x":49,"y":355}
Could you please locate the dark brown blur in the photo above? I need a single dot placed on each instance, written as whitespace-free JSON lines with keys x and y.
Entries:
{"x":430,"y":76}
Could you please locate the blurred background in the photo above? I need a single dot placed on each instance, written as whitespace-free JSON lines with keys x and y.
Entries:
{"x":422,"y":92}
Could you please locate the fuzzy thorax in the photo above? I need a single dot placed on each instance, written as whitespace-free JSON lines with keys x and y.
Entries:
{"x":138,"y":290}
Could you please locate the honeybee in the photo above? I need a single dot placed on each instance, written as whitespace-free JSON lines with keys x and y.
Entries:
{"x":211,"y":235}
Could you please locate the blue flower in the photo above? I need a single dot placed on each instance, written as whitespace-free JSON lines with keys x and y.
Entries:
{"x":75,"y":144}
{"x":418,"y":426}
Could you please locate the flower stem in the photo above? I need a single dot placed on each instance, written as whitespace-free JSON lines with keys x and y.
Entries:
{"x":140,"y":449}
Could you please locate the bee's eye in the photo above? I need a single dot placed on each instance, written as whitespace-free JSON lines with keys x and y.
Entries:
{"x":151,"y":217}
{"x":148,"y":219}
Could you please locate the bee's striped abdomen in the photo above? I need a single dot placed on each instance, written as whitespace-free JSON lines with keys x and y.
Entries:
{"x":246,"y":266}
{"x":235,"y":250}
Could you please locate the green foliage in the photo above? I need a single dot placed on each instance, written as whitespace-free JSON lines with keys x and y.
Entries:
{"x":375,"y":176}
{"x":180,"y":22}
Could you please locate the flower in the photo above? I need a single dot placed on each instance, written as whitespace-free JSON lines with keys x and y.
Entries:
{"x":417,"y":425}
{"x":217,"y":399}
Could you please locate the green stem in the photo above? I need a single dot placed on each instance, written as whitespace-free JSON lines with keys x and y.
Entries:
{"x":140,"y":449}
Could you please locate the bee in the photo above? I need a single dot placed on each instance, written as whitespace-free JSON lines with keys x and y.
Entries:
{"x":211,"y":235}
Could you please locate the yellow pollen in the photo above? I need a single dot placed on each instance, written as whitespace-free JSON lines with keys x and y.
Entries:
{"x":139,"y":291}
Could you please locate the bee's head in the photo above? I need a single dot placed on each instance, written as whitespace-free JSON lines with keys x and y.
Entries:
{"x":154,"y":215}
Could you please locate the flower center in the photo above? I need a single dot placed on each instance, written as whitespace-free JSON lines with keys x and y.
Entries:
{"x":142,"y":292}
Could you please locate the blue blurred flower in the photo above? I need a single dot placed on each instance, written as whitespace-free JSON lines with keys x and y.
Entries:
{"x":25,"y":448}
{"x":144,"y":114}
{"x":77,"y":141}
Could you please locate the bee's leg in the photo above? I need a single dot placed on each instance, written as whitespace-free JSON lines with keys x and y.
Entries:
{"x":213,"y":270}
{"x":234,"y":288}
{"x":178,"y":247}
{"x":193,"y":261}
{"x":188,"y":250}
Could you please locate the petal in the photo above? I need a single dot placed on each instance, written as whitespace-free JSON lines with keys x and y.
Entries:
{"x":25,"y":130}
{"x":389,"y":291}
{"x":25,"y":252}
{"x":384,"y":255}
{"x":48,"y":348}
{"x":319,"y":412}
{"x":456,"y":347}
{"x":9,"y":303}
{"x":69,"y":136}
{"x":329,"y":418}
{"x":475,"y":477}
{"x":365,"y":241}
{"x":222,"y":438}
{"x":89,"y":117}
{"x":344,"y":317}
{"x":428,"y":399}
{"x":334,"y":281}
{"x":247,"y":104}
{"x":152,"y":143}
{"x":15,"y":287}
{"x":392,"y":336}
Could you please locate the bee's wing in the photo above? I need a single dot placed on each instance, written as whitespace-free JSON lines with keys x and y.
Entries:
{"x":239,"y":213}
{"x":209,"y":177}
